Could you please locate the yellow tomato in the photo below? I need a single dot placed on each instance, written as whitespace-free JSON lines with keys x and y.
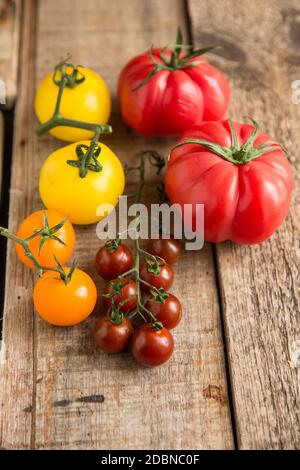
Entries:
{"x":63,"y":190}
{"x":89,"y":101}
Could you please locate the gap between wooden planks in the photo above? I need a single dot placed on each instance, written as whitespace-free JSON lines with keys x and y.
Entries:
{"x":10,"y":26}
{"x":260,"y":284}
{"x":50,"y":376}
{"x":1,"y":147}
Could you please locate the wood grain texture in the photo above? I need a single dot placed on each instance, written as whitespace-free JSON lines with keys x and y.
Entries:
{"x":16,"y":373}
{"x":80,"y":397}
{"x":10,"y":26}
{"x":260,"y":284}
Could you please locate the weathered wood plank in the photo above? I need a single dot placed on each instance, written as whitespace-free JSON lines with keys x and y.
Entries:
{"x":260,"y":288}
{"x":168,"y":407}
{"x":16,"y":373}
{"x":10,"y":25}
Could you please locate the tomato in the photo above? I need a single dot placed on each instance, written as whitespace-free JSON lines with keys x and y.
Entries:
{"x":88,"y":101}
{"x":150,"y":347}
{"x":168,"y":249}
{"x":178,"y":95}
{"x":112,"y":337}
{"x":64,"y":304}
{"x":163,"y":279}
{"x":111,"y":263}
{"x":125,"y":288}
{"x":45,"y":246}
{"x":62,"y":189}
{"x":246,"y":192}
{"x":168,"y":311}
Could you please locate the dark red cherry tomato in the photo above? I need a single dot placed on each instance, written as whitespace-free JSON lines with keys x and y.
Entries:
{"x":167,"y":309}
{"x":112,"y":337}
{"x":151,"y":347}
{"x":125,"y":288}
{"x":111,"y":261}
{"x":163,"y":278}
{"x":169,"y":250}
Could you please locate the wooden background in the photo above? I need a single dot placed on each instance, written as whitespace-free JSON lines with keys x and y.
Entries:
{"x":233,"y":381}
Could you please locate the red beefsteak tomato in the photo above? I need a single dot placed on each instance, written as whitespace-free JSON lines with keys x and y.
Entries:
{"x":243,"y":179}
{"x":166,"y":91}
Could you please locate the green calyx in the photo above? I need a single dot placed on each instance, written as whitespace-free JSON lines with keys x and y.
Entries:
{"x":116,"y":287}
{"x":63,"y":275}
{"x":237,"y":154}
{"x":175,"y":62}
{"x":159,"y":295}
{"x":112,"y":246}
{"x":87,"y":159}
{"x":68,"y":73}
{"x":157,"y":326}
{"x":47,"y":233}
{"x":116,"y":317}
{"x":154,"y":264}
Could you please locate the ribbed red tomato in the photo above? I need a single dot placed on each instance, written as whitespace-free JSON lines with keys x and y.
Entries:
{"x":243,"y":179}
{"x":166,"y":91}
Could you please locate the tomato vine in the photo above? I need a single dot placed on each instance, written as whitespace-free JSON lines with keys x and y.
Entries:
{"x":45,"y":233}
{"x":67,"y":75}
{"x":154,"y":263}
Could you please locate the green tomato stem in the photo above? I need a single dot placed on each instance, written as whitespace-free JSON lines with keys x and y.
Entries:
{"x":155,"y":160}
{"x":138,"y":249}
{"x":25,"y":245}
{"x":37,"y":266}
{"x":58,"y":120}
{"x":237,"y":154}
{"x":174,"y":63}
{"x":72,"y":80}
{"x":127,"y":273}
{"x":62,"y":85}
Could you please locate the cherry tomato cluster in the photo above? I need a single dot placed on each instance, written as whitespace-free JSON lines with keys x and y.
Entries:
{"x":138,"y":288}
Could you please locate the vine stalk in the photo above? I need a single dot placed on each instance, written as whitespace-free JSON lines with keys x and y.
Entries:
{"x":157,"y":161}
{"x":71,"y":80}
{"x":27,"y":251}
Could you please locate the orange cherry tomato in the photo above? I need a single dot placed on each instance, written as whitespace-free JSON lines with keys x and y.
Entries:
{"x":64,"y":304}
{"x":45,"y":253}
